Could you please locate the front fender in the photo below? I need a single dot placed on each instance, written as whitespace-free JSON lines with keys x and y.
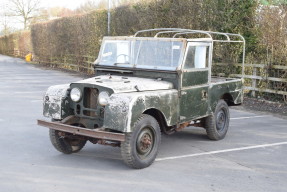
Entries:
{"x":124,"y":109}
{"x":55,"y":103}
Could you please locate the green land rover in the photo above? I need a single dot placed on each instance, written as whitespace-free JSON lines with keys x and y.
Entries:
{"x":145,"y":85}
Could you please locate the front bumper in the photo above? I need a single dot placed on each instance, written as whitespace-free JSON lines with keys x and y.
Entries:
{"x":98,"y":133}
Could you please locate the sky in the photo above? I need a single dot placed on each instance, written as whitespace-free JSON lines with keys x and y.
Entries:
{"x":71,"y":4}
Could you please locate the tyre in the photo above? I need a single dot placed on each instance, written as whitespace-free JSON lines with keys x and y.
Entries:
{"x":217,"y":125}
{"x":66,"y":144}
{"x":140,"y":147}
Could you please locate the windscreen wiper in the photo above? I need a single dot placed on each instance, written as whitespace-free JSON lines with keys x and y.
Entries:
{"x":122,"y":63}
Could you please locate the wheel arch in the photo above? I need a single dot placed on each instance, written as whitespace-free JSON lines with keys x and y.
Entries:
{"x":159,"y":116}
{"x":228,"y":98}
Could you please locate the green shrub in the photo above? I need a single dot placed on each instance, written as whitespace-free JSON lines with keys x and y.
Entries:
{"x":81,"y":35}
{"x":78,"y":35}
{"x":16,"y":44}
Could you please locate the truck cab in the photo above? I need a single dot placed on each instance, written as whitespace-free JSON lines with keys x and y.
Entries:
{"x":144,"y":86}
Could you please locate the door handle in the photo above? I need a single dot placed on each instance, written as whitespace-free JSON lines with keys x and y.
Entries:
{"x":204,"y":94}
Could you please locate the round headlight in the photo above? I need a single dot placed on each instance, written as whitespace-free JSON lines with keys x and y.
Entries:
{"x":104,"y":98}
{"x":76,"y":94}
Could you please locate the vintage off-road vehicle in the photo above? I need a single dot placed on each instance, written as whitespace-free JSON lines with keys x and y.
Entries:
{"x":144,"y":86}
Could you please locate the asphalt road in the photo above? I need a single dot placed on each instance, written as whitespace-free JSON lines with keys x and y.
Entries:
{"x":252,"y":157}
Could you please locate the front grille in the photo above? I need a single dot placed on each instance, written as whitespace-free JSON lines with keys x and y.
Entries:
{"x":90,"y":101}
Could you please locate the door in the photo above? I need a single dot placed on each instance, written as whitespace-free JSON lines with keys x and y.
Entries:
{"x":195,"y":81}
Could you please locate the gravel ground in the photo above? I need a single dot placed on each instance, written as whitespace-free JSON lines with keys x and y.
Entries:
{"x":260,"y":105}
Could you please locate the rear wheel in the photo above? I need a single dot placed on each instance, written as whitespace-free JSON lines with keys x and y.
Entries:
{"x":217,"y":125}
{"x":66,"y":142}
{"x":140,"y":147}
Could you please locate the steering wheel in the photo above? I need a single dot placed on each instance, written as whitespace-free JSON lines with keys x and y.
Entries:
{"x":126,"y":57}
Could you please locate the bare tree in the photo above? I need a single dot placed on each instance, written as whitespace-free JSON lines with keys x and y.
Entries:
{"x":4,"y":23}
{"x":24,"y":9}
{"x":5,"y":26}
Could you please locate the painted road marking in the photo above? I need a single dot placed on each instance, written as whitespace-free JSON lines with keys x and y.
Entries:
{"x":249,"y":117}
{"x":221,"y":151}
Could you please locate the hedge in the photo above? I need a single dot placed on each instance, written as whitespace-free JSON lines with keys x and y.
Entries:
{"x":78,"y":35}
{"x":16,"y":44}
{"x":81,"y":35}
{"x":75,"y":36}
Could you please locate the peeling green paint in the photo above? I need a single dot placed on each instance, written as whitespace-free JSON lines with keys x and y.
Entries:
{"x":125,"y":108}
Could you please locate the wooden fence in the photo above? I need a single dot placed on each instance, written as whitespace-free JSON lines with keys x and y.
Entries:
{"x":79,"y":63}
{"x":262,"y":78}
{"x":16,"y":53}
{"x":21,"y":54}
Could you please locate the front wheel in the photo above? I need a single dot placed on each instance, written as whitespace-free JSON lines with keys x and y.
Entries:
{"x":140,"y":147}
{"x":65,"y":142}
{"x":217,"y":125}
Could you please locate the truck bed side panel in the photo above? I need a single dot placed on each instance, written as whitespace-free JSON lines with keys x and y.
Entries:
{"x":218,"y":90}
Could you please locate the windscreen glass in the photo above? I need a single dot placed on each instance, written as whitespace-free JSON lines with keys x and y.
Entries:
{"x":116,"y":52}
{"x":151,"y":54}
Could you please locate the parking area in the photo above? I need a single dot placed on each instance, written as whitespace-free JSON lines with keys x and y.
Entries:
{"x":252,"y":157}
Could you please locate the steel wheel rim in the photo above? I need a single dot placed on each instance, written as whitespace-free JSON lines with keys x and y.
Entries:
{"x":221,"y":120}
{"x":145,"y":142}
